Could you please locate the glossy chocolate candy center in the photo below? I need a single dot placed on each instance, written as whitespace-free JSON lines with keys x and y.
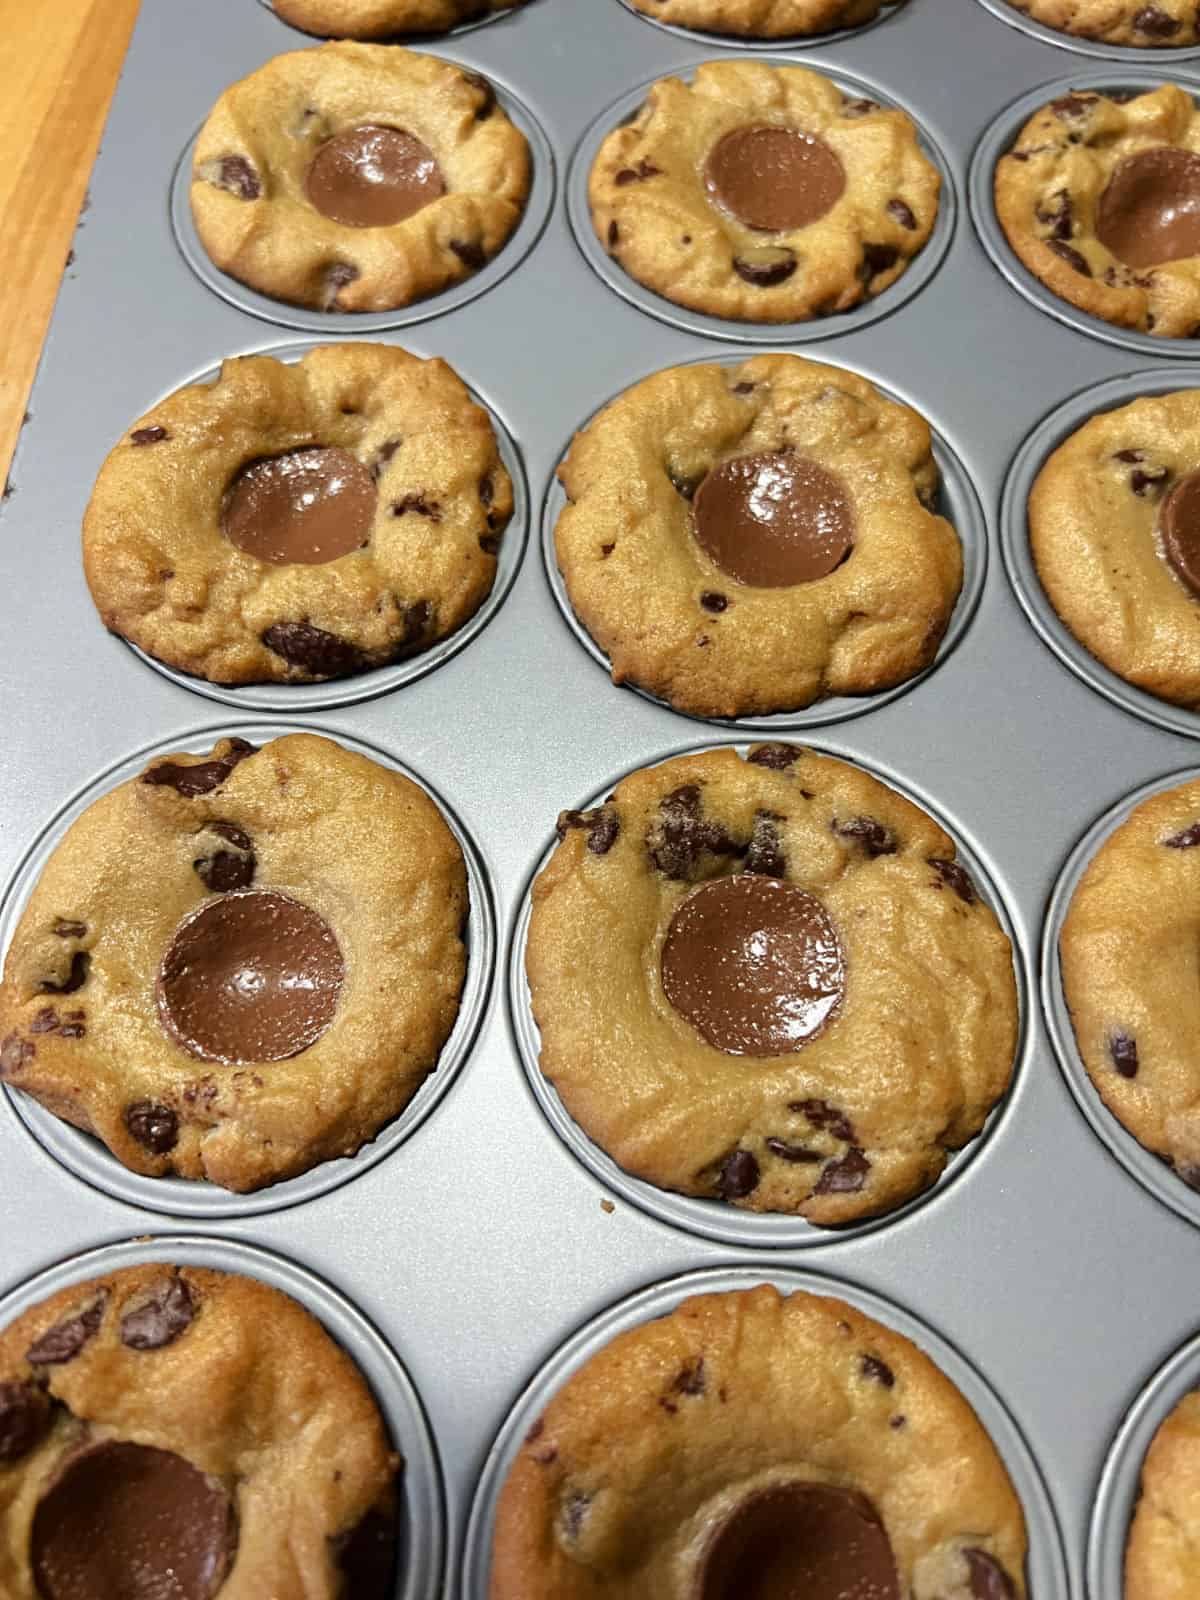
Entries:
{"x":1179,"y":526}
{"x":774,"y":179}
{"x":774,"y":519}
{"x":1150,"y":210}
{"x":800,"y":1541}
{"x":130,"y":1521}
{"x":372,"y":177}
{"x":308,"y":506}
{"x":754,"y":964}
{"x":253,"y":976}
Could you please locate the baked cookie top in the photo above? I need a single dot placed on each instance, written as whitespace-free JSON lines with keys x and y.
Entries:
{"x":1100,"y":198}
{"x":762,"y":193}
{"x":764,"y":19}
{"x":384,"y":19}
{"x":1165,"y":23}
{"x":1162,"y":1558}
{"x":768,"y":981}
{"x":1114,"y":525}
{"x":357,"y":177}
{"x":746,"y":539}
{"x":238,"y":965}
{"x":767,"y":1444}
{"x":295,"y":522}
{"x":1128,"y":970}
{"x":196,"y":1428}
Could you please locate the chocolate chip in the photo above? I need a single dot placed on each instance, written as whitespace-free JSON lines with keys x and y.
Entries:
{"x":873,"y":1367}
{"x":160,"y":1319}
{"x":484,"y":111}
{"x":69,"y":930}
{"x":690,"y":1379}
{"x":419,"y":506}
{"x":875,"y":839}
{"x":902,"y":213}
{"x":66,"y":1339}
{"x":614,"y":233}
{"x":1123,"y":1050}
{"x":366,"y":1557}
{"x":151,"y":435}
{"x":489,"y":543}
{"x":383,"y":455}
{"x":313,"y":650}
{"x":744,"y":388}
{"x":685,"y":484}
{"x":24,"y":1419}
{"x":238,"y":176}
{"x":603,"y":825}
{"x":487,"y":490}
{"x":877,"y":258}
{"x":845,"y":1175}
{"x":417,"y":618}
{"x":469,"y":252}
{"x":952,"y":876}
{"x":203,"y":776}
{"x":764,"y":271}
{"x":858,"y":108}
{"x":826,"y":1117}
{"x":712,"y":601}
{"x":987,"y":1577}
{"x":46,"y":1021}
{"x":1070,"y":106}
{"x":536,"y":1431}
{"x":1070,"y":255}
{"x":898,"y":1422}
{"x":1031,"y":150}
{"x":154,"y":1126}
{"x":1187,"y":840}
{"x":14,"y":1053}
{"x":764,"y":855}
{"x":793,"y":1152}
{"x":1060,"y":217}
{"x":337,"y":275}
{"x":72,"y":1027}
{"x":683,"y":834}
{"x":1129,"y":456}
{"x":778,"y":757}
{"x":574,"y":1510}
{"x":638,"y":174}
{"x":738,"y":1175}
{"x":1146,"y":481}
{"x":75,"y":978}
{"x":226,"y":870}
{"x":1157,"y":24}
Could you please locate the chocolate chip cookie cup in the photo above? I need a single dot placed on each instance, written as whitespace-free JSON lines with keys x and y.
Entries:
{"x":752,"y":1157}
{"x":389,"y":21}
{"x":1128,"y":213}
{"x":226,"y":863}
{"x":861,"y":98}
{"x":421,"y":1520}
{"x":1045,"y":1570}
{"x":823,"y":15}
{"x":1054,"y":429}
{"x":1155,"y":34}
{"x":335,"y":323}
{"x":954,"y":499}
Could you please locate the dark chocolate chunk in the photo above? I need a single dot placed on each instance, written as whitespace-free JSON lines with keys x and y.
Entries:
{"x":337,"y":275}
{"x":846,"y":1175}
{"x":14,"y":1053}
{"x":712,"y":601}
{"x":1129,"y":456}
{"x":469,"y":253}
{"x":793,"y":1152}
{"x":738,"y":1175}
{"x":777,"y":267}
{"x":69,"y":930}
{"x":873,"y":1367}
{"x":614,"y":233}
{"x":987,"y":1577}
{"x":154,"y":1126}
{"x":151,"y":435}
{"x":690,"y":1379}
{"x":603,"y":825}
{"x":367,"y":1557}
{"x":683,"y":834}
{"x":638,"y":174}
{"x":858,"y":108}
{"x":574,"y":1509}
{"x":66,"y":1339}
{"x":826,"y":1117}
{"x":875,"y":839}
{"x":489,"y":543}
{"x":952,"y":876}
{"x":1060,"y":217}
{"x":1147,"y":481}
{"x":417,"y":620}
{"x":1070,"y":255}
{"x":1155,"y":24}
{"x":1187,"y":840}
{"x":764,"y":854}
{"x":778,"y":757}
{"x":1070,"y":106}
{"x":685,"y":484}
{"x":75,"y":978}
{"x":902,"y":213}
{"x":419,"y":506}
{"x":313,"y":650}
{"x":238,"y":176}
{"x":877,"y":258}
{"x":160,"y":1319}
{"x":1123,"y":1050}
{"x":203,"y":776}
{"x":24,"y":1419}
{"x":383,"y":455}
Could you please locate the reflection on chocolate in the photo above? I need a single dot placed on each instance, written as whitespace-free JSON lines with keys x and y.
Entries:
{"x":774,"y":179}
{"x":1150,"y":210}
{"x":754,"y":964}
{"x":1179,"y":525}
{"x":254,"y":976}
{"x":774,"y":519}
{"x":308,"y":506}
{"x":810,"y":1540}
{"x":128,"y":1520}
{"x":371,"y":177}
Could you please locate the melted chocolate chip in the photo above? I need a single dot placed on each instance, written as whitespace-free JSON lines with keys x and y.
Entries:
{"x":373,"y":177}
{"x":46,"y":1021}
{"x":1071,"y":106}
{"x":685,"y":484}
{"x":1187,"y":840}
{"x":765,"y":271}
{"x":987,"y":1577}
{"x":690,"y":1379}
{"x":75,"y":979}
{"x":845,"y":1175}
{"x":777,"y":757}
{"x":1059,"y":217}
{"x":638,"y":174}
{"x":902,"y":213}
{"x":764,"y":854}
{"x":858,"y":108}
{"x":337,"y":275}
{"x":24,"y":1419}
{"x":796,"y":1153}
{"x":69,"y":930}
{"x":14,"y":1053}
{"x":1123,"y":1050}
{"x":952,"y":876}
{"x":814,"y":1540}
{"x":614,"y":233}
{"x":367,"y":1557}
{"x":879,"y":1371}
{"x":154,"y":1126}
{"x":1147,"y":481}
{"x":774,"y":519}
{"x":603,"y":825}
{"x":711,"y":601}
{"x":66,"y":1339}
{"x":774,"y":179}
{"x":1156,"y":24}
{"x":419,"y":506}
{"x":160,"y":1319}
{"x":238,"y":176}
{"x":877,"y":258}
{"x":574,"y":1510}
{"x":151,"y":435}
{"x":470,"y":253}
{"x":684,"y":834}
{"x":738,"y":1175}
{"x":826,"y":1117}
{"x":744,"y":388}
{"x":313,"y":650}
{"x":871,"y":834}
{"x":201,"y":777}
{"x":1070,"y":255}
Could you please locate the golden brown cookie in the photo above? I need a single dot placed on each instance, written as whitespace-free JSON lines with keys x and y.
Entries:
{"x":384,"y":19}
{"x":291,"y":523}
{"x":746,"y":539}
{"x":1100,"y":198}
{"x":357,"y":177}
{"x":769,"y":1445}
{"x":1162,"y":1558}
{"x":236,"y":966}
{"x":1114,"y":524}
{"x":762,"y":193}
{"x":768,"y":981}
{"x":763,"y":19}
{"x":1128,"y":969}
{"x":192,"y":1429}
{"x":1163,"y":24}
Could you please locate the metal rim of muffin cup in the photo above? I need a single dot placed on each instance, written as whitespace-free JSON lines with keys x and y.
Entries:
{"x":422,"y":1526}
{"x":959,"y":502}
{"x":1087,"y":47}
{"x":996,"y":141}
{"x":1046,"y":1563}
{"x":415,"y":41}
{"x":916,"y":275}
{"x":714,"y":1219}
{"x":1017,"y":552}
{"x":734,"y":41}
{"x":334,"y":325}
{"x":290,"y":698}
{"x":1141,"y":1164}
{"x":88,"y":1159}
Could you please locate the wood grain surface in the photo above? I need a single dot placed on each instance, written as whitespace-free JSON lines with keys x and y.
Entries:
{"x":59,"y":63}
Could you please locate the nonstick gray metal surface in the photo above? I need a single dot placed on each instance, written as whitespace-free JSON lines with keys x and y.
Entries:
{"x":478,"y":1244}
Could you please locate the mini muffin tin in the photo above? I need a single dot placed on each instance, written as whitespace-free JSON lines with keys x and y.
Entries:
{"x":478,"y":1240}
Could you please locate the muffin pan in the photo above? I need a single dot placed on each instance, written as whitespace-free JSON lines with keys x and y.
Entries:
{"x":477,"y":1243}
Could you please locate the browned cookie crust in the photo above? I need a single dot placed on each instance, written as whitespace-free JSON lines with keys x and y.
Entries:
{"x":1163,"y":24}
{"x":1162,"y":1558}
{"x":434,"y":501}
{"x":279,"y":1477}
{"x":673,"y":621}
{"x":366,"y":856}
{"x":740,"y":1416}
{"x":1062,"y":213}
{"x":384,"y":19}
{"x":250,"y":197}
{"x":861,"y":1115}
{"x":1128,"y":967}
{"x":654,"y":212}
{"x":763,"y":19}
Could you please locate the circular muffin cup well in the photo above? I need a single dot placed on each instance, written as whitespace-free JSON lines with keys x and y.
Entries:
{"x":91,"y":1160}
{"x":1087,"y":47}
{"x":733,"y":41}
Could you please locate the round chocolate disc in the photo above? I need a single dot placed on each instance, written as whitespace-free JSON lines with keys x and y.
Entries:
{"x":128,"y":1520}
{"x":774,"y":179}
{"x":774,"y":519}
{"x":754,"y":964}
{"x":371,"y":177}
{"x":253,"y":976}
{"x":810,"y":1540}
{"x":1179,"y":525}
{"x":308,"y":506}
{"x":1150,"y":209}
